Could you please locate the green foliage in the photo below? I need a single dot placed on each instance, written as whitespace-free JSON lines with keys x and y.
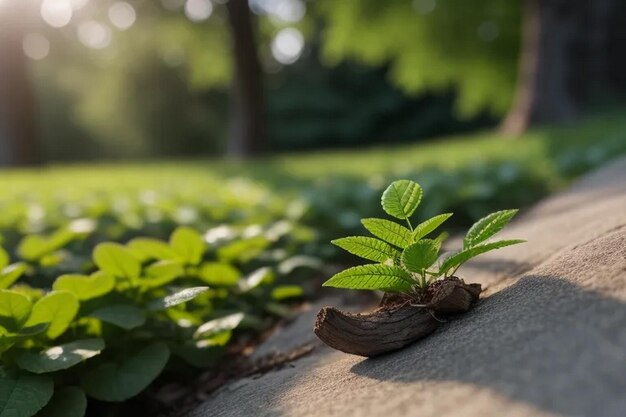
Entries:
{"x":132,"y":306}
{"x":413,"y":270}
{"x":479,"y":56}
{"x":22,"y":395}
{"x":118,"y":382}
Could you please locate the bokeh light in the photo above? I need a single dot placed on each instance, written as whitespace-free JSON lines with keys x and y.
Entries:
{"x":198,"y":10}
{"x":35,"y":45}
{"x":94,"y":34}
{"x":56,"y":13}
{"x":287,"y":46}
{"x":122,"y":15}
{"x":79,"y":4}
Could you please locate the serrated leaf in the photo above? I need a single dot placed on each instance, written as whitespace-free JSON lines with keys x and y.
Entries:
{"x":188,"y":244}
{"x":145,"y":248}
{"x":4,"y":258}
{"x":116,"y":260}
{"x":401,"y":198}
{"x":119,"y":382}
{"x":429,"y":225}
{"x":389,"y":231}
{"x":66,"y":402}
{"x":11,"y":273}
{"x":176,"y":298}
{"x":15,"y":309}
{"x":488,"y":226}
{"x":125,"y":316}
{"x":420,"y":255}
{"x":85,"y":287}
{"x":60,"y":357}
{"x":219,"y":325}
{"x":57,"y":308}
{"x":373,"y":277}
{"x":467,"y":254}
{"x":367,"y":248}
{"x":23,"y":395}
{"x":219,"y":274}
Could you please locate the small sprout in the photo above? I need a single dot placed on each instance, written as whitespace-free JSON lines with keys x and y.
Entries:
{"x":407,"y":261}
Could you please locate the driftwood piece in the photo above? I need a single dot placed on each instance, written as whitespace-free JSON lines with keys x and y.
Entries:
{"x":398,"y":321}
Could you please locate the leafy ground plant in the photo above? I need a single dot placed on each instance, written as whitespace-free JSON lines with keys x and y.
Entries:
{"x":406,"y":260}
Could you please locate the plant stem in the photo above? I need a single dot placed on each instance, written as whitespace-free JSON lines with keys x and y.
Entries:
{"x":409,"y":223}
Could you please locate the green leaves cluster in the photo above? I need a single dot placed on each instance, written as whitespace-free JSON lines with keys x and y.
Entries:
{"x":406,"y":260}
{"x":109,"y":332}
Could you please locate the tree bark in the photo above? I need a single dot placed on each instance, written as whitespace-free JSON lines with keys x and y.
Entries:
{"x":544,"y":93}
{"x":19,"y":135}
{"x":248,"y":135}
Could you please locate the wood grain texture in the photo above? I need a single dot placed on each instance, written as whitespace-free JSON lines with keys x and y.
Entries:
{"x":397,"y":322}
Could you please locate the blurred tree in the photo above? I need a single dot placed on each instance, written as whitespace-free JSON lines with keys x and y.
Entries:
{"x":247,"y":108}
{"x":19,"y":143}
{"x":547,"y":57}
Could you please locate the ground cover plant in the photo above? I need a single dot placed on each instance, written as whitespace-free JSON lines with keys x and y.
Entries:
{"x":263,"y":227}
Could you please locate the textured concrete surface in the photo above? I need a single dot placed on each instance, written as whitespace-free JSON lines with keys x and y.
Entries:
{"x":547,"y":339}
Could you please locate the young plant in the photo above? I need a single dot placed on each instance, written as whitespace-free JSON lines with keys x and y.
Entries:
{"x":406,"y":261}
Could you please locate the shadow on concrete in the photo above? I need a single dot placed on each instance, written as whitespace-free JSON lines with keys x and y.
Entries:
{"x":543,"y":341}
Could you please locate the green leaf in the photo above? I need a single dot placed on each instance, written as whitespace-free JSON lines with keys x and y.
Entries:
{"x":373,"y":277}
{"x":389,"y":231}
{"x":176,"y":298}
{"x":264,"y":275}
{"x":401,"y":198}
{"x":286,"y":291}
{"x":219,"y":325}
{"x":22,"y":395}
{"x":57,"y":308}
{"x":188,"y":244}
{"x":219,"y":274}
{"x":161,"y":273}
{"x":367,"y":248}
{"x":429,"y":225}
{"x":126,"y":316}
{"x":15,"y":309}
{"x":116,"y":260}
{"x":33,"y":247}
{"x":420,"y":255}
{"x":119,"y":382}
{"x":467,"y":254}
{"x":147,"y":248}
{"x":4,"y":258}
{"x":11,"y":273}
{"x":486,"y":227}
{"x":66,"y":402}
{"x":60,"y":357}
{"x":85,"y":287}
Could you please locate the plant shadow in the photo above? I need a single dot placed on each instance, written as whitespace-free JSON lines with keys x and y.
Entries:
{"x":543,"y":341}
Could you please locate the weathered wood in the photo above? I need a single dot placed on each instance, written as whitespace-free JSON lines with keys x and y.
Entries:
{"x":398,"y":322}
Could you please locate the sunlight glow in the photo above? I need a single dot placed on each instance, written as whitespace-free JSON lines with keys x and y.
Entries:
{"x":79,"y":4}
{"x":122,"y":15}
{"x":56,"y":13}
{"x":35,"y":46}
{"x":94,"y":34}
{"x":198,"y":10}
{"x":287,"y":46}
{"x":290,"y":11}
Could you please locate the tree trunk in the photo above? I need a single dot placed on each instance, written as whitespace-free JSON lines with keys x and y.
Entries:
{"x":19,"y":141}
{"x":247,"y":136}
{"x":544,"y":93}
